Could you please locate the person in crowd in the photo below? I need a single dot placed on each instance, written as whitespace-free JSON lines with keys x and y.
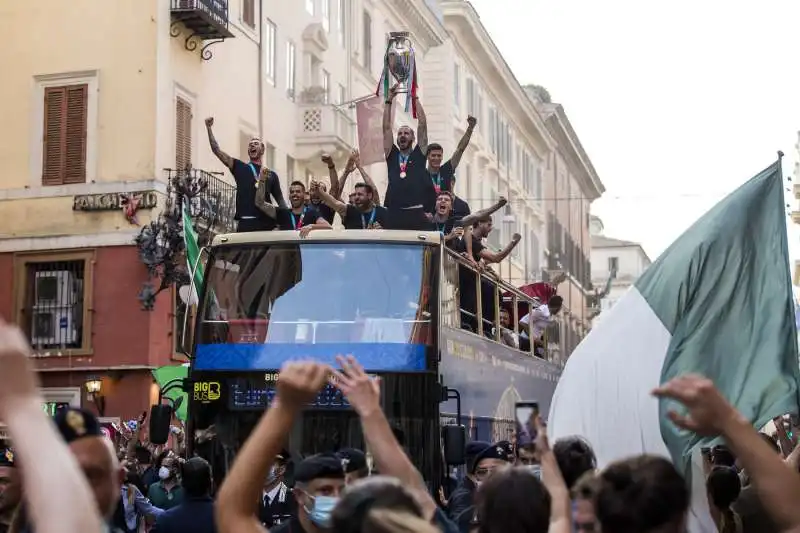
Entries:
{"x":132,"y":506}
{"x":444,"y":221}
{"x":277,"y":502}
{"x":748,"y":506}
{"x":195,"y":514}
{"x":443,"y":175}
{"x":584,"y":494}
{"x":298,"y":217}
{"x":409,"y":185}
{"x":10,"y":495}
{"x":58,"y":497}
{"x":246,"y":176}
{"x":515,"y":500}
{"x":355,"y":464}
{"x":145,"y":467}
{"x":575,"y":458}
{"x":507,"y":334}
{"x":723,"y":487}
{"x":708,"y":413}
{"x":362,"y":214}
{"x":481,"y":256}
{"x":534,"y":324}
{"x":485,"y":460}
{"x":167,"y":492}
{"x":527,"y":455}
{"x":645,"y":494}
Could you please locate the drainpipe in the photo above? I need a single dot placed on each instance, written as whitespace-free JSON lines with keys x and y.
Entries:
{"x":260,"y":70}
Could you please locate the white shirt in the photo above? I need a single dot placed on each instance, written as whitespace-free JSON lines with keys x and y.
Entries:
{"x":270,"y":496}
{"x":537,"y":321}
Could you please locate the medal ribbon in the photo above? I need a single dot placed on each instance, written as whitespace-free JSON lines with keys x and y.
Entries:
{"x":298,"y":222}
{"x":403,"y":163}
{"x":364,"y":223}
{"x":437,"y":182}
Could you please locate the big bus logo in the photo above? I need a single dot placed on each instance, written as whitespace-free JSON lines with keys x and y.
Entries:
{"x":207,"y":391}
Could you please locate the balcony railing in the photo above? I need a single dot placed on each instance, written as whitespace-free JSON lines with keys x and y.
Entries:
{"x":206,"y":19}
{"x":212,"y":201}
{"x":323,"y":127}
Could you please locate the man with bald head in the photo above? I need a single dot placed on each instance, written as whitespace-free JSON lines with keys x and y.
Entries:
{"x":96,"y":457}
{"x":410,"y":186}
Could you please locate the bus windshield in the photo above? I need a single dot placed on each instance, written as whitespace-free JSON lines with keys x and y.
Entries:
{"x":268,"y":303}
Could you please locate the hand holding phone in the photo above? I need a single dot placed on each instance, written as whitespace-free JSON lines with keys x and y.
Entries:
{"x":526,"y":414}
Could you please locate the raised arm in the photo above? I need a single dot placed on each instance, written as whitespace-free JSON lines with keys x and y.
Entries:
{"x":455,"y":159}
{"x":328,"y":160}
{"x":376,"y":196}
{"x":328,"y":199}
{"x":472,"y":218}
{"x":274,"y":186}
{"x":348,"y":169}
{"x":261,"y":197}
{"x":388,"y":135}
{"x":222,"y":156}
{"x":490,"y":256}
{"x":422,"y":128}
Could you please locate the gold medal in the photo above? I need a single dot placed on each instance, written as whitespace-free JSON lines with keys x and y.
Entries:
{"x":402,"y":174}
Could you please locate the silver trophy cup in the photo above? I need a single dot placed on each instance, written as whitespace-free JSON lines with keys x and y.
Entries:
{"x":399,"y":56}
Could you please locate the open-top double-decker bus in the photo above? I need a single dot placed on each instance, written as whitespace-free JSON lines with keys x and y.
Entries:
{"x":389,"y":298}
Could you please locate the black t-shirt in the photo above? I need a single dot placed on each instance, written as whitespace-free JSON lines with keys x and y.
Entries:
{"x":324,"y":211}
{"x":446,"y":228}
{"x":356,"y":219}
{"x":441,"y":181}
{"x":460,"y":208}
{"x":246,"y":177}
{"x":287,"y":220}
{"x":460,"y":246}
{"x":415,"y":188}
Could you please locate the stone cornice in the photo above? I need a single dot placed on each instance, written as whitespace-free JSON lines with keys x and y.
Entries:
{"x":573,"y":151}
{"x":478,"y":44}
{"x":426,"y":30}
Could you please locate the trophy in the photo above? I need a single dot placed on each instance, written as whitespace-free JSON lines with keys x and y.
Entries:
{"x":400,"y":59}
{"x":399,"y":63}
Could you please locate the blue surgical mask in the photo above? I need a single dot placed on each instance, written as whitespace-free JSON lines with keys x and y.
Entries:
{"x":320,"y":513}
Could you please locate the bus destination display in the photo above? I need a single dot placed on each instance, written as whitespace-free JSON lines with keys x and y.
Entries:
{"x":252,"y":394}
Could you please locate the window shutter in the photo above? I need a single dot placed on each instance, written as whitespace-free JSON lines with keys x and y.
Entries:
{"x":183,"y":134}
{"x":75,"y":157}
{"x":53,"y":149}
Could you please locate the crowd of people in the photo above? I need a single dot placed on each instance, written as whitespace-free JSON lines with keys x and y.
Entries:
{"x":66,"y":476}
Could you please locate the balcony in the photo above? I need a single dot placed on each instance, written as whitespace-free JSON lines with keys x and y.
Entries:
{"x":206,"y":20}
{"x":322,"y":128}
{"x":212,"y":201}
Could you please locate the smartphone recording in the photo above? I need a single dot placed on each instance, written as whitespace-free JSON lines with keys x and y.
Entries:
{"x":526,"y":414}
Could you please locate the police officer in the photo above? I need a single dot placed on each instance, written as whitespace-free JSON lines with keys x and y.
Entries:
{"x":277,"y":502}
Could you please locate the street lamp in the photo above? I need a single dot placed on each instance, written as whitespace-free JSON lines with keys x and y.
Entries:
{"x":94,"y":388}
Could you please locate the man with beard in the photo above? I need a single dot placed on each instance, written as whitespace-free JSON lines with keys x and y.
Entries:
{"x":410,"y":187}
{"x":246,"y":176}
{"x":9,"y":488}
{"x":299,"y":217}
{"x":362,"y":214}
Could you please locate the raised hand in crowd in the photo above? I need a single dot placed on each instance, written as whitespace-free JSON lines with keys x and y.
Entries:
{"x":238,"y":498}
{"x":710,"y":414}
{"x":560,"y":506}
{"x":56,"y":491}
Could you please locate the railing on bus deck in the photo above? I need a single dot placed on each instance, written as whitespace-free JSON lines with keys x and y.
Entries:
{"x":453,"y":264}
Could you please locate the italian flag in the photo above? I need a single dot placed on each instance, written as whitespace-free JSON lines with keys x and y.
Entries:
{"x":192,"y":253}
{"x":718,"y":302}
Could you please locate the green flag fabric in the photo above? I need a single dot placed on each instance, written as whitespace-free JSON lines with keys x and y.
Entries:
{"x":163,"y":376}
{"x":192,"y":252}
{"x":717,"y":302}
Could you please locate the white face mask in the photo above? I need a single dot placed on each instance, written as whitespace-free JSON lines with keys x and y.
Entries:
{"x":163,"y":473}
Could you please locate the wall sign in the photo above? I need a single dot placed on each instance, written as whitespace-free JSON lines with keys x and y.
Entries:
{"x":113,"y":201}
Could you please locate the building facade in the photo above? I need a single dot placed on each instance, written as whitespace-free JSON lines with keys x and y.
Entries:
{"x":105,"y":122}
{"x":110,"y":116}
{"x":616,"y":265}
{"x":571,"y":185}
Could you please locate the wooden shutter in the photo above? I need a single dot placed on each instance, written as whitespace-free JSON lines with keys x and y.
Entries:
{"x":249,"y":13}
{"x":65,"y":128}
{"x":183,"y":134}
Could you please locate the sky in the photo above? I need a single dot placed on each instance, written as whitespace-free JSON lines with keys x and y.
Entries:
{"x":676,"y":102}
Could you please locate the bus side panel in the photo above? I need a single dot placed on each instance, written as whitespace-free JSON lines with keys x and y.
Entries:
{"x":491,"y":378}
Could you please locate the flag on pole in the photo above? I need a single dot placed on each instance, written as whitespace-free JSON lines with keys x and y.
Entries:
{"x":369,"y":119}
{"x":192,"y":253}
{"x":718,"y":302}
